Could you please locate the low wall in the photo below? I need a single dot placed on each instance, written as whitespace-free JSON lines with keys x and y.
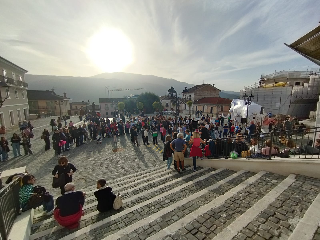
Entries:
{"x":285,"y":167}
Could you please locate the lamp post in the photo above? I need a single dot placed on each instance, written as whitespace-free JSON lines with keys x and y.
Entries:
{"x":86,"y":103}
{"x":173,"y":92}
{"x":248,"y":100}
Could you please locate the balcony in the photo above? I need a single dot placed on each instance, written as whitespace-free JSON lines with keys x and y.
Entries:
{"x":12,"y":82}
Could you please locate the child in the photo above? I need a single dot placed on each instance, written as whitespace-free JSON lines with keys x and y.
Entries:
{"x":155,"y":136}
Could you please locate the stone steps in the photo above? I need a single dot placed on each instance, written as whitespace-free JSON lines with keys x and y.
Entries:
{"x":206,"y":204}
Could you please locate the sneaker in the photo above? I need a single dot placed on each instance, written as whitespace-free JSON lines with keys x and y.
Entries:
{"x":178,"y":170}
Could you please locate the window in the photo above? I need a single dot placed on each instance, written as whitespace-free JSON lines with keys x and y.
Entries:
{"x":4,"y":72}
{"x":221,"y":108}
{"x":76,"y":107}
{"x":20,"y":78}
{"x":11,"y":118}
{"x":107,"y":106}
{"x":107,"y":114}
{"x":8,"y":93}
{"x":297,"y":83}
{"x":16,"y":93}
{"x":13,"y":76}
{"x":23,"y":94}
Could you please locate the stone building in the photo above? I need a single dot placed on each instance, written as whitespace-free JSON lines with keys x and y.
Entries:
{"x":200,"y":91}
{"x":13,"y":94}
{"x":213,"y":106}
{"x":79,"y":108}
{"x":48,"y":103}
{"x":109,"y":106}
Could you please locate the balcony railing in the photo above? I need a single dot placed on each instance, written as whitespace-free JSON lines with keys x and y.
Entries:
{"x":10,"y":82}
{"x":9,"y":207}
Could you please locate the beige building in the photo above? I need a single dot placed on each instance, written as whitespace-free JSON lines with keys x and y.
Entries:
{"x":48,"y":103}
{"x":79,"y":108}
{"x":13,"y":94}
{"x":213,"y":106}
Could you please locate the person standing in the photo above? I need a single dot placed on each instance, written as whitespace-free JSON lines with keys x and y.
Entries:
{"x":179,"y":150}
{"x":66,"y":169}
{"x":26,"y":144}
{"x":15,"y":140}
{"x":195,"y":149}
{"x":46,"y":137}
{"x":155,"y":136}
{"x":167,"y":151}
{"x":5,"y":148}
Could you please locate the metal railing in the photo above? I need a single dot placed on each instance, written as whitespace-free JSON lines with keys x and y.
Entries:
{"x":9,"y":207}
{"x":298,"y":143}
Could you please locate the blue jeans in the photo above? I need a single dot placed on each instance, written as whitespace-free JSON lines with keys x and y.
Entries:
{"x":4,"y":155}
{"x":48,"y":206}
{"x":169,"y":161}
{"x":16,"y":149}
{"x":194,"y":162}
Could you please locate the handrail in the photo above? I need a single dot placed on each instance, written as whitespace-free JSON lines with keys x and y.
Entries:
{"x":9,"y":207}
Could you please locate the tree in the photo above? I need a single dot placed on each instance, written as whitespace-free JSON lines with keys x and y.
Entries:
{"x":140,"y":106}
{"x":121,"y":106}
{"x":130,"y":105}
{"x":156,"y":106}
{"x":148,"y":99}
{"x":189,"y":103}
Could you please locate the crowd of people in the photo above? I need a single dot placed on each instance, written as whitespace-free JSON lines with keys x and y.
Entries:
{"x":68,"y":208}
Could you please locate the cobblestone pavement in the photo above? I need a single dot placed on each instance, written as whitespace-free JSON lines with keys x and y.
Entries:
{"x":280,"y":219}
{"x":93,"y":161}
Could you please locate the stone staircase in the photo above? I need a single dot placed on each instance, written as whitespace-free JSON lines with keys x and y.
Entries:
{"x":206,"y":204}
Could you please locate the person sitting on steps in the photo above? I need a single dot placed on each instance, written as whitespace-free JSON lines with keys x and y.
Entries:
{"x":69,"y":207}
{"x":104,"y":195}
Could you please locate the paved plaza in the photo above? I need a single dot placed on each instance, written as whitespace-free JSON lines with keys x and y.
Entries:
{"x":93,"y":161}
{"x":210,"y":203}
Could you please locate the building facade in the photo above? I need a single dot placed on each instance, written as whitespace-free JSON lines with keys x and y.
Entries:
{"x":79,"y":108}
{"x":212,"y":106}
{"x":200,"y":91}
{"x":109,"y":106}
{"x":48,"y":103}
{"x":13,"y":94}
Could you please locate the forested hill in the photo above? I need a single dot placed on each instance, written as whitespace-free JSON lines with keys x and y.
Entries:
{"x":107,"y":84}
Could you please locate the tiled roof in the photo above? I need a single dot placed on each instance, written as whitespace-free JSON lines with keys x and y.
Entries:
{"x":213,"y":100}
{"x":80,"y":103}
{"x":196,"y":87}
{"x":43,"y":95}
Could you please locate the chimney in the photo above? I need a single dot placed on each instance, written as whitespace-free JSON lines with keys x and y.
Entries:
{"x":65,"y":95}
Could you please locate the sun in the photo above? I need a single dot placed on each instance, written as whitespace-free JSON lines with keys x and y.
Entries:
{"x":110,"y":50}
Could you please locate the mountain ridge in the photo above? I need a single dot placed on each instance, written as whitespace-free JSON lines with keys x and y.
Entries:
{"x":109,"y":85}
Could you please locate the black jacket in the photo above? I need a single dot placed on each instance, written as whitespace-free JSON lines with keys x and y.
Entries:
{"x":69,"y":203}
{"x":105,"y":198}
{"x":64,"y":170}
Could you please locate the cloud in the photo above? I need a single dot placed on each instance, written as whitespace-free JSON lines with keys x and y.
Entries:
{"x":232,"y":41}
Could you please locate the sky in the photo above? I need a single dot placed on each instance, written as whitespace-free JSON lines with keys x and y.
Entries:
{"x":229,"y":43}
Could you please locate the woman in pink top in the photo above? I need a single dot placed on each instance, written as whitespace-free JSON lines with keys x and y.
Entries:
{"x":266,"y":150}
{"x":195,"y":149}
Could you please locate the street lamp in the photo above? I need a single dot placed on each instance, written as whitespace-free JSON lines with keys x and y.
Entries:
{"x":248,"y":100}
{"x":173,"y":92}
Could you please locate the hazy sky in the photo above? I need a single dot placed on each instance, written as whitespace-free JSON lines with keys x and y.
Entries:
{"x":226,"y":42}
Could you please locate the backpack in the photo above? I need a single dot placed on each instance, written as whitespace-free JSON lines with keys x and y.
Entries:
{"x":117,"y":203}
